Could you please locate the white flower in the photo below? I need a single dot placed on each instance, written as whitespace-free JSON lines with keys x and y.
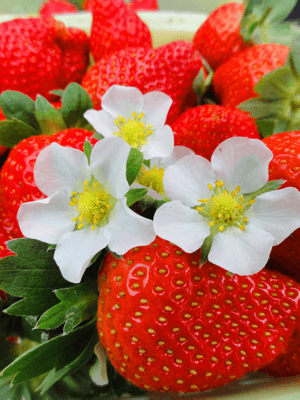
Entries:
{"x":139,"y":119}
{"x":152,"y":177}
{"x":209,"y":199}
{"x":86,"y":209}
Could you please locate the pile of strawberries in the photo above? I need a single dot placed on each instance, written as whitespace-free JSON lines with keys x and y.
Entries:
{"x":165,"y":324}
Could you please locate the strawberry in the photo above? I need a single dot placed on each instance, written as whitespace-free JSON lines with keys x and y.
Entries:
{"x":219,"y":38}
{"x":234,"y":81}
{"x":50,"y":7}
{"x":203,"y":128}
{"x":169,"y":325}
{"x":40,"y":54}
{"x":114,"y":27}
{"x":149,"y":5}
{"x":288,"y":363}
{"x":170,"y":69}
{"x":17,"y":179}
{"x":285,"y":165}
{"x":88,"y":5}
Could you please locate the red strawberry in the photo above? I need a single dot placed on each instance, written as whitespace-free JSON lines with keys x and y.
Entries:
{"x":203,"y":128}
{"x":88,"y":5}
{"x":288,"y":363}
{"x":219,"y":37}
{"x":170,"y":69}
{"x":115,"y":26}
{"x":149,"y":5}
{"x":286,"y":165}
{"x":169,"y":325}
{"x":40,"y":54}
{"x":234,"y":81}
{"x":17,"y":179}
{"x":51,"y":7}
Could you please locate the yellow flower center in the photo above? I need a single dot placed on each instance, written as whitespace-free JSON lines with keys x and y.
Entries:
{"x":134,"y":131}
{"x":152,"y":178}
{"x":224,"y":209}
{"x":92,"y":205}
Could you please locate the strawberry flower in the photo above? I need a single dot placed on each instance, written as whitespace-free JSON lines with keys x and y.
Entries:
{"x":224,"y":208}
{"x":86,"y":209}
{"x":138,"y":119}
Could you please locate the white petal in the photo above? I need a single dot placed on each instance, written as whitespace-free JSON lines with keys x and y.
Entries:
{"x":241,"y":252}
{"x":59,"y":168}
{"x":180,"y":225}
{"x":101,"y":121}
{"x":75,"y":250}
{"x":277,"y":213}
{"x":243,"y":162}
{"x":177,"y":153}
{"x":108,"y":164}
{"x":126,"y":229}
{"x":156,"y":108}
{"x":159,"y":144}
{"x":122,"y":101}
{"x":47,"y":219}
{"x":187,"y":180}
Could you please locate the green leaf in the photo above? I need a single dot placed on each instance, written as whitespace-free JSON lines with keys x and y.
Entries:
{"x":77,"y":304}
{"x":98,"y":136}
{"x":261,"y":108}
{"x":281,"y":126}
{"x":50,"y":119}
{"x":31,"y":273}
{"x":202,"y":83}
{"x":30,"y":305}
{"x":135,"y":195}
{"x":57,"y":92}
{"x":293,"y":59}
{"x":270,"y":186}
{"x":147,"y":163}
{"x":282,"y":33}
{"x":54,"y":375}
{"x":265,"y":127}
{"x":134,"y":165}
{"x":16,"y":105}
{"x":76,"y":101}
{"x":16,"y":392}
{"x":56,"y":353}
{"x":277,"y":84}
{"x":280,"y":9}
{"x":205,"y":249}
{"x":87,"y":148}
{"x":13,"y":131}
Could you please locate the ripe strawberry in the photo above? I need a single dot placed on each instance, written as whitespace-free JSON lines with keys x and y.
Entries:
{"x":203,"y":128}
{"x":234,"y":81}
{"x":288,"y":363}
{"x":88,"y":5}
{"x":40,"y":54}
{"x":17,"y":179}
{"x":170,"y":69}
{"x":285,"y":165}
{"x":219,"y":37}
{"x":169,"y":325}
{"x":149,"y":5}
{"x":115,"y":26}
{"x":50,"y":7}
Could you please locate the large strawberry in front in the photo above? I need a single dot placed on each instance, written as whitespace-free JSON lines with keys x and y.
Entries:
{"x":170,"y":69}
{"x":169,"y":325}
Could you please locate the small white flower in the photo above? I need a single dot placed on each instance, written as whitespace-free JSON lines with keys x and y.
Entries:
{"x":152,"y":177}
{"x":209,"y":199}
{"x":86,"y":209}
{"x":138,"y":119}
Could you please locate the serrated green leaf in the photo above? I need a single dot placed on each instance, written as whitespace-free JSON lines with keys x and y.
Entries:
{"x":55,"y":375}
{"x":87,"y":148}
{"x":16,"y":105}
{"x":77,"y":304}
{"x":270,"y":186}
{"x":75,"y":102}
{"x":34,"y":305}
{"x":133,"y":165}
{"x":56,"y":353}
{"x":50,"y":119}
{"x":13,"y":131}
{"x":205,"y":249}
{"x":135,"y":195}
{"x":265,"y":127}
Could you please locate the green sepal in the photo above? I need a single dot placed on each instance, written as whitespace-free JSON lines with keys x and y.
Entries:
{"x":276,"y":84}
{"x":205,"y":249}
{"x":202,"y":83}
{"x":134,"y":195}
{"x":14,"y":392}
{"x":293,"y":59}
{"x":98,"y":136}
{"x":57,"y":92}
{"x":265,"y":127}
{"x":13,"y":131}
{"x":270,"y":186}
{"x":75,"y":102}
{"x":50,"y":119}
{"x":16,"y":105}
{"x":281,"y":126}
{"x":56,"y":354}
{"x":133,"y":165}
{"x":147,"y":163}
{"x":119,"y":256}
{"x":33,"y":305}
{"x":261,"y":108}
{"x":87,"y":148}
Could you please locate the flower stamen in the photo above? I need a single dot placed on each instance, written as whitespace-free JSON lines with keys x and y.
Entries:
{"x":133,"y":131}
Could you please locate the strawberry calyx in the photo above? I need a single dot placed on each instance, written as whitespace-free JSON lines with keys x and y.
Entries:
{"x":277,"y":107}
{"x":26,"y":118}
{"x":262,"y":22}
